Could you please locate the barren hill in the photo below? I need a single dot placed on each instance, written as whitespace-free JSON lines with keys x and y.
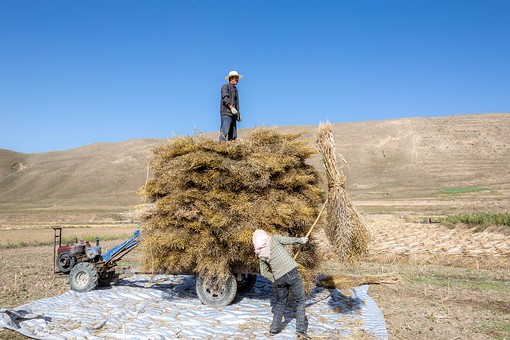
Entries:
{"x":402,"y":165}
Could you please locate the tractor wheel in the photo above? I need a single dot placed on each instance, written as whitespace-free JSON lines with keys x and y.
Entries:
{"x":65,"y":262}
{"x":245,"y":282}
{"x":107,"y":279}
{"x":83,"y":277}
{"x":214,"y":292}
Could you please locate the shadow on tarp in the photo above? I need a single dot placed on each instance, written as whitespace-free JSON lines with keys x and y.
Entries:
{"x":338,"y":302}
{"x":263,"y":290}
{"x":180,"y":286}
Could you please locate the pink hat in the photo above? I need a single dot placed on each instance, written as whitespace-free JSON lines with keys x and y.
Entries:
{"x":261,"y":242}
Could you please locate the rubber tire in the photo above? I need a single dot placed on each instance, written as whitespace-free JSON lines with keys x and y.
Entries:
{"x":108,"y":279}
{"x":65,"y":262}
{"x":83,"y":277}
{"x":220,"y":297}
{"x":246,"y":282}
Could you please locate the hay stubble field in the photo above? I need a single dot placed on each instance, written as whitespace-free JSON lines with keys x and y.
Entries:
{"x":453,"y":284}
{"x":455,"y":281}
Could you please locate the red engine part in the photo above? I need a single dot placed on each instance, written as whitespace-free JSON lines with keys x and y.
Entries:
{"x":73,"y":248}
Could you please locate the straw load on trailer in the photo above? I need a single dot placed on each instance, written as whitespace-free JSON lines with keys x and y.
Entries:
{"x":208,"y":197}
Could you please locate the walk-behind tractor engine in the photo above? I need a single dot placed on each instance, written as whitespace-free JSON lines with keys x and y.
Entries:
{"x":67,"y":256}
{"x":86,"y":265}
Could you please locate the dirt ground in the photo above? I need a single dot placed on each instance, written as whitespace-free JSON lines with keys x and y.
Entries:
{"x":454,"y":283}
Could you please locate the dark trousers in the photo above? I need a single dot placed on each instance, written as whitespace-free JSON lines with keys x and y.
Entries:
{"x":228,"y":128}
{"x":289,"y":282}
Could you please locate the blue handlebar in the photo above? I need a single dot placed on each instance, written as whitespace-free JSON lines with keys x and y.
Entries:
{"x":133,"y":241}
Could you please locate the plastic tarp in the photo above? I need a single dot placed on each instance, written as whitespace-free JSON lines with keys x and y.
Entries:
{"x":167,"y":307}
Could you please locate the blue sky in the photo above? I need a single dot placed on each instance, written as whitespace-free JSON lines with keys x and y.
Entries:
{"x":79,"y":72}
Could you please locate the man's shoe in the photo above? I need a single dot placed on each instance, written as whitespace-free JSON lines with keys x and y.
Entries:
{"x":272,"y":333}
{"x":301,"y":335}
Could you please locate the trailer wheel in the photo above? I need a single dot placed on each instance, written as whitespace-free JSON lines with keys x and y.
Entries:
{"x":107,"y":279}
{"x":245,"y":282}
{"x":65,"y":262}
{"x":214,"y":292}
{"x":83,"y":277}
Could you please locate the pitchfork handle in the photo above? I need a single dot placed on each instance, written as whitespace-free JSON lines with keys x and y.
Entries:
{"x":314,"y":223}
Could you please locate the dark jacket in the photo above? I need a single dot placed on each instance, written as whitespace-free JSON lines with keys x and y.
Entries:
{"x":229,"y":96}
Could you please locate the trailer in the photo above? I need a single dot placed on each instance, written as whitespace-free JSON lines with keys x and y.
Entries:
{"x":88,"y":268}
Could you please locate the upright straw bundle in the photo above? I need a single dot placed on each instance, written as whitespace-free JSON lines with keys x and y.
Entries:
{"x":344,"y":228}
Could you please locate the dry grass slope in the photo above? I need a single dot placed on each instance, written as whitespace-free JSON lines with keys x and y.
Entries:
{"x":395,"y":166}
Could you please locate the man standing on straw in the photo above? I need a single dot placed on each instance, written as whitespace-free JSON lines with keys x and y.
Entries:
{"x":280,"y":268}
{"x":229,"y":107}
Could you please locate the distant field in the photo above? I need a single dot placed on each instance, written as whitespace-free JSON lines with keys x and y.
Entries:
{"x":462,"y":190}
{"x":16,"y":238}
{"x":481,"y":221}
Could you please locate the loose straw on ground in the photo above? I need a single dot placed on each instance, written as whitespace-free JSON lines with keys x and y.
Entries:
{"x":349,"y":281}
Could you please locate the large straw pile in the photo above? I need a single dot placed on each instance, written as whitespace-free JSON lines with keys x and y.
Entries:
{"x":208,"y":198}
{"x":346,"y":232}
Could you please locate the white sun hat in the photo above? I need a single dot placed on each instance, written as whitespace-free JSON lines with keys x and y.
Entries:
{"x":233,"y":74}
